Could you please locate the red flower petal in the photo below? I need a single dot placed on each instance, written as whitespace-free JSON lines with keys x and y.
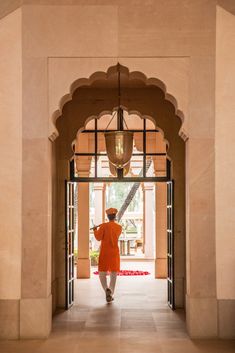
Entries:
{"x":129,"y":273}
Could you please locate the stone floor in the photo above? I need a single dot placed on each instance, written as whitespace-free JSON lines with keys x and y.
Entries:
{"x":138,"y":321}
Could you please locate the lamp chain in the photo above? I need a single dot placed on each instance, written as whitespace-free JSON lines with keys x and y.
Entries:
{"x":119,"y":100}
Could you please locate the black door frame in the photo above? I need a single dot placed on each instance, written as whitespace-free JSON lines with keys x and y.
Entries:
{"x":69,"y":242}
{"x":170,"y":246}
{"x":170,"y":234}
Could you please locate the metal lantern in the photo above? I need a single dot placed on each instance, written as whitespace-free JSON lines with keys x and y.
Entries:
{"x":119,"y":146}
{"x":119,"y":143}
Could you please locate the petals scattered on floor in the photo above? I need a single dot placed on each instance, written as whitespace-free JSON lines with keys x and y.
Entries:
{"x":129,"y":273}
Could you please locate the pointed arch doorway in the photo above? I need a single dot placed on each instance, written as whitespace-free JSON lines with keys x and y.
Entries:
{"x":99,"y":97}
{"x":70,"y":190}
{"x":150,"y":152}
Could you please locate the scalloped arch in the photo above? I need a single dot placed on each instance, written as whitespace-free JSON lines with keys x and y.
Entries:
{"x":101,"y":75}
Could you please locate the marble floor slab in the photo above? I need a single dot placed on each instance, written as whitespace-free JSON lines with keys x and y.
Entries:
{"x":138,"y":321}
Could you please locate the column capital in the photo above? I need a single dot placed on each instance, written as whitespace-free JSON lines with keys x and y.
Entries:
{"x":99,"y":186}
{"x":148,"y":186}
{"x":83,"y":166}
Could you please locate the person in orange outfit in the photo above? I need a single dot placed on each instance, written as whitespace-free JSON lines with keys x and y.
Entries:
{"x":109,"y":258}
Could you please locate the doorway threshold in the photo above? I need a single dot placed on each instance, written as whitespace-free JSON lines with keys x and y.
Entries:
{"x":135,"y":258}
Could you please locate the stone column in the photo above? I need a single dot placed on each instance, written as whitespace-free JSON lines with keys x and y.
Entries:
{"x":98,"y":189}
{"x":11,"y":230}
{"x":36,"y":299}
{"x":149,"y":229}
{"x":83,"y":261}
{"x":159,"y":165}
{"x":201,"y":303}
{"x":104,"y":202}
{"x":161,"y":236}
{"x":58,"y":288}
{"x":83,"y":170}
{"x":99,"y":207}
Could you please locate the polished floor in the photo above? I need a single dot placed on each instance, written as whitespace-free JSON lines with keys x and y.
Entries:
{"x":138,"y":321}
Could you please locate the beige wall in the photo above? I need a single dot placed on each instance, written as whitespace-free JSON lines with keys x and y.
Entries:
{"x":225,"y":170}
{"x":145,"y":39}
{"x":225,"y":147}
{"x":173,"y":41}
{"x":37,"y":171}
{"x":10,"y":155}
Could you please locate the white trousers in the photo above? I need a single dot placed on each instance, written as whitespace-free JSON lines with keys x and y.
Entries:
{"x":103,"y":280}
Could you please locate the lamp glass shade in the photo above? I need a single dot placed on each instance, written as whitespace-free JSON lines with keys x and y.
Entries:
{"x":113,"y":169}
{"x":119,"y":147}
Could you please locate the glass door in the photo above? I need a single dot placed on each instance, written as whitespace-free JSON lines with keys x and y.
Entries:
{"x":69,"y":241}
{"x":170,"y":246}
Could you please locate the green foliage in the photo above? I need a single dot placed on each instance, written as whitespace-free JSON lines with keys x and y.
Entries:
{"x":131,"y":230}
{"x":128,"y":227}
{"x":116,"y":194}
{"x":94,"y":256}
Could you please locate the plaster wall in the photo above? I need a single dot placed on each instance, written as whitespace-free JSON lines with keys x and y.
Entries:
{"x":225,"y":146}
{"x":11,"y":154}
{"x":176,"y":36}
{"x":10,"y":173}
{"x":150,"y":40}
{"x":225,"y":169}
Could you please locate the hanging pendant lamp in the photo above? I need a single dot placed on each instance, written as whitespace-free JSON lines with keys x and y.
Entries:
{"x":113,"y":169}
{"x":119,"y":143}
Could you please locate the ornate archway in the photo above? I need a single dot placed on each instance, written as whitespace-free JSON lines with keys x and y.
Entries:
{"x":139,"y":95}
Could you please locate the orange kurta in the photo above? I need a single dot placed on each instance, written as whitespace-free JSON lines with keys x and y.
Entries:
{"x":109,"y":259}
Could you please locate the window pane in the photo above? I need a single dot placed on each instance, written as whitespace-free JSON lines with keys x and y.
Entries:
{"x":135,"y":168}
{"x":156,"y":166}
{"x":104,"y":169}
{"x":133,"y":122}
{"x":84,"y":166}
{"x":150,"y":124}
{"x":85,"y":142}
{"x":90,"y":125}
{"x":138,"y":142}
{"x":108,"y":122}
{"x":149,"y":167}
{"x":155,"y":143}
{"x":101,"y":148}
